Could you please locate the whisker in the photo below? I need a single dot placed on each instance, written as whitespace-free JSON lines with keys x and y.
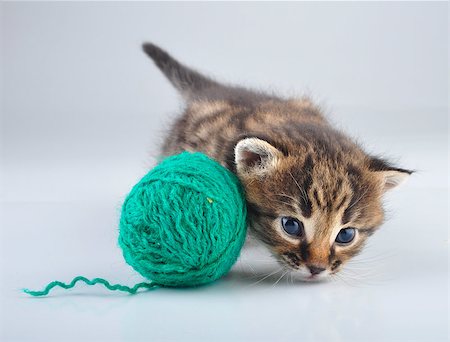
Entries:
{"x":288,"y":196}
{"x":280,"y":278}
{"x":345,"y":279}
{"x":267,"y":276}
{"x":366,"y":278}
{"x":286,"y":203}
{"x":369,"y":259}
{"x":359,"y":198}
{"x":302,"y":191}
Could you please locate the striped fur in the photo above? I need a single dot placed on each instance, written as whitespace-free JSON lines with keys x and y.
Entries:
{"x":291,"y":161}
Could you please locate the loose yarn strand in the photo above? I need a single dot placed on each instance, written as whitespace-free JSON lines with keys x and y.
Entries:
{"x":183,"y":224}
{"x":115,"y":287}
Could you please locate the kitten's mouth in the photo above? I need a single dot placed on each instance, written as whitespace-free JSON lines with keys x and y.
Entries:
{"x":302,"y":273}
{"x":312,"y":278}
{"x":315,"y":278}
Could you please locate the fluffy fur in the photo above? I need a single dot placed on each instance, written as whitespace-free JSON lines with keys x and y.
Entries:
{"x":291,"y":161}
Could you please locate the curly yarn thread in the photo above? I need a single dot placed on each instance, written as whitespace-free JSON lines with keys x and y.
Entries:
{"x":183,"y":224}
{"x":116,"y":287}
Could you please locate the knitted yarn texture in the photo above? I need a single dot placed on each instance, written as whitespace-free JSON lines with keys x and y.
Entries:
{"x":184,"y":223}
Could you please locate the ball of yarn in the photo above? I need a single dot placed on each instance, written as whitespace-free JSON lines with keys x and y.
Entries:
{"x":184,"y":223}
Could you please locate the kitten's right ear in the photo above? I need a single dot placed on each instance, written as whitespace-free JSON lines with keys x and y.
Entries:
{"x":254,"y":156}
{"x":188,"y":82}
{"x":391,"y":176}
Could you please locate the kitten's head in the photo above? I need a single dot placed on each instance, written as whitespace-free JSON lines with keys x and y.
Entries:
{"x":313,"y":204}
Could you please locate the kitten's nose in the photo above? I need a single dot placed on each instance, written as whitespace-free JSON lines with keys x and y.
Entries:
{"x":315,"y":270}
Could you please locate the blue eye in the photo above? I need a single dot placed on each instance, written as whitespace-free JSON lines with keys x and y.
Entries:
{"x":346,"y":235}
{"x":292,"y":226}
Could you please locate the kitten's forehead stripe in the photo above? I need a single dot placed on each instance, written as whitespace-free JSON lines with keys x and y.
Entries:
{"x":316,"y":198}
{"x":347,"y":216}
{"x":329,"y":203}
{"x":354,"y":176}
{"x":305,"y":185}
{"x":341,"y":203}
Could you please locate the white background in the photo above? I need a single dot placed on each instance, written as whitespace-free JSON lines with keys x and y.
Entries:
{"x":83,"y":112}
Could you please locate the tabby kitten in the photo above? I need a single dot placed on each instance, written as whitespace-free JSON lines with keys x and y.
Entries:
{"x":313,"y":195}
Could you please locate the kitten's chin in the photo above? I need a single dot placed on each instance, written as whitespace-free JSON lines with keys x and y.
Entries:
{"x":304,"y":275}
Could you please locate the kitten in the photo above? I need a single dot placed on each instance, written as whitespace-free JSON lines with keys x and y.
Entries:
{"x":313,"y":195}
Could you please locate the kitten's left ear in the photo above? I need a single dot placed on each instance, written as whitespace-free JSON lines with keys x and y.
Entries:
{"x":254,"y":156}
{"x":391,"y":176}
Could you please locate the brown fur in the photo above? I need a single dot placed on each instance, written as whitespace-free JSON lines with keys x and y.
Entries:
{"x":296,"y":165}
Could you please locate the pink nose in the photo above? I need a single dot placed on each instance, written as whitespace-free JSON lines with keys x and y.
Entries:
{"x":315,"y":270}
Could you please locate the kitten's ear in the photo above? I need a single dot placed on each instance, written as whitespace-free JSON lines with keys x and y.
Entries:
{"x":390,"y":175}
{"x":256,"y":156}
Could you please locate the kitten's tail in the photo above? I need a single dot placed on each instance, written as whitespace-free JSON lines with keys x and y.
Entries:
{"x":188,"y":82}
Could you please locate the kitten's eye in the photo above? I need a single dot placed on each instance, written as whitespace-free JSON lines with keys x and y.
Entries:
{"x":346,"y":235}
{"x":292,"y":226}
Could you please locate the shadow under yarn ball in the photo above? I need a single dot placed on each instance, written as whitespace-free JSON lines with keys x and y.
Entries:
{"x":184,"y":223}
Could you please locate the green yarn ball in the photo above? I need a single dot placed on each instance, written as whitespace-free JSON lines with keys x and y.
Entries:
{"x":184,"y":223}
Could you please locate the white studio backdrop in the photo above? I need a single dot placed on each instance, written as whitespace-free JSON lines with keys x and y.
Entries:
{"x":83,"y":112}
